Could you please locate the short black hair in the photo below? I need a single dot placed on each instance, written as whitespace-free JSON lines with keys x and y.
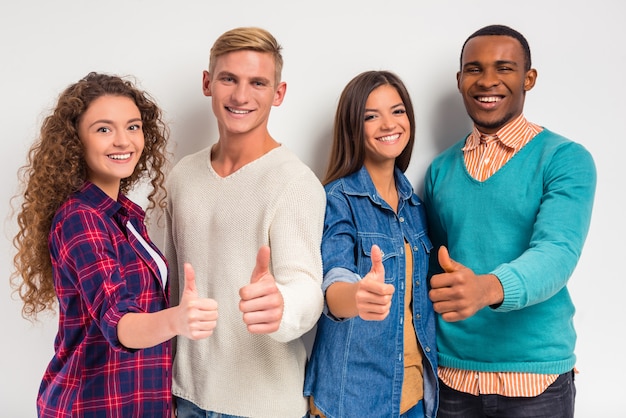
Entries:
{"x":501,"y":30}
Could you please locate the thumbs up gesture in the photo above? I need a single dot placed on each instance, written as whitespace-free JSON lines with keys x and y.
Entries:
{"x":261,"y":301}
{"x":459,"y":293}
{"x":373,"y":295}
{"x":197,"y":316}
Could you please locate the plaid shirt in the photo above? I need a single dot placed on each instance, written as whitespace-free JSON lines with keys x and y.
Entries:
{"x":101,"y":272}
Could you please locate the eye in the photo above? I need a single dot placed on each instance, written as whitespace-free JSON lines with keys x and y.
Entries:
{"x":400,"y":111}
{"x":369,"y":117}
{"x":103,"y":129}
{"x":135,"y":127}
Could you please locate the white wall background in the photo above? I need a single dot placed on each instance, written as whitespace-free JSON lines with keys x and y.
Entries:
{"x":578,"y":50}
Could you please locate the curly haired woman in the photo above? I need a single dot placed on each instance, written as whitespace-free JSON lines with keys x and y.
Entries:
{"x":84,"y":245}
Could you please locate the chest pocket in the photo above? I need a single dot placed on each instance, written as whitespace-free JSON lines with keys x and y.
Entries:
{"x":425,"y":242}
{"x":390,"y":252}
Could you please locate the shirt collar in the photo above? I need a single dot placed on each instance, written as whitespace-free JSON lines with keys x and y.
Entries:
{"x":99,"y":199}
{"x":360,"y":184}
{"x":511,"y":135}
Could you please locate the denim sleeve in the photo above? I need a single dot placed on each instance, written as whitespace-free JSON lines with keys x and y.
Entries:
{"x":339,"y":240}
{"x":339,"y":243}
{"x":338,"y":274}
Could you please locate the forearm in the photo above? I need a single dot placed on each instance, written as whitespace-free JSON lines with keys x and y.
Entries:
{"x":144,"y":330}
{"x":341,"y":299}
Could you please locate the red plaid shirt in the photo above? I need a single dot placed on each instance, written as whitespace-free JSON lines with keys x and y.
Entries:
{"x":101,"y":272}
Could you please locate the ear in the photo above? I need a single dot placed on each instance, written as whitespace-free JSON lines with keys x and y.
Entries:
{"x":458,"y":80}
{"x":279,"y":94}
{"x":206,"y":83}
{"x":530,"y":79}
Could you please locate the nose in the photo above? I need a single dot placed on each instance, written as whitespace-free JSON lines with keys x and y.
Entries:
{"x":388,"y":122}
{"x":240,"y":93}
{"x":122,"y":139}
{"x":489,"y":78}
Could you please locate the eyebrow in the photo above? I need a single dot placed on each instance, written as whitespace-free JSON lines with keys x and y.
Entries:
{"x":253,"y":79}
{"x":225,"y":74}
{"x":110,"y":122}
{"x":401,"y":104}
{"x":499,"y":62}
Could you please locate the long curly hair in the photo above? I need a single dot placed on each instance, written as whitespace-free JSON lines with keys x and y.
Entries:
{"x":56,"y":168}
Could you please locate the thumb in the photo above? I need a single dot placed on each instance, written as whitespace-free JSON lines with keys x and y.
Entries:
{"x":190,"y":279}
{"x":447,"y":263}
{"x":378,"y":270}
{"x":262,"y":266}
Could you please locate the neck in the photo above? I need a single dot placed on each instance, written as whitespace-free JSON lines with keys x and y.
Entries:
{"x":384,"y":182}
{"x":232,"y":152}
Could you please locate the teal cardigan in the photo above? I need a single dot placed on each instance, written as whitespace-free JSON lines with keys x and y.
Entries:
{"x":527,"y":225}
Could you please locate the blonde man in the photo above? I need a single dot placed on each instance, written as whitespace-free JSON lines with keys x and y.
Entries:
{"x":249,"y":215}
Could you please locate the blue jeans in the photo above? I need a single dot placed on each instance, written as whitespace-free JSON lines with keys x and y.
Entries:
{"x":416,"y":412}
{"x":555,"y":402}
{"x":187,"y":409}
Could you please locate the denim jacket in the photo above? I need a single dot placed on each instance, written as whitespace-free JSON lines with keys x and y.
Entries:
{"x":356,"y":367}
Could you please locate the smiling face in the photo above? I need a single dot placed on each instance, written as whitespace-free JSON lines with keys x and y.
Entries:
{"x":386,"y":126}
{"x":112,"y":135}
{"x":493,"y":81}
{"x":243,"y":91}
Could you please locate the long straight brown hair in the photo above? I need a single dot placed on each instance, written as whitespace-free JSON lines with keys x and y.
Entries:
{"x":348,"y":150}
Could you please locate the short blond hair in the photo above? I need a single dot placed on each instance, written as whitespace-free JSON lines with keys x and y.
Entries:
{"x":248,"y":39}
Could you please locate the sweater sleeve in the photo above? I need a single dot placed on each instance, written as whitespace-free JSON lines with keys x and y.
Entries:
{"x":558,"y":233}
{"x":295,"y":241}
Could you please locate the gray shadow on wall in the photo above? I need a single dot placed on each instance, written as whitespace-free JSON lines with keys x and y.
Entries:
{"x":450,"y":122}
{"x":189,"y":134}
{"x":446,"y":124}
{"x":194,"y":131}
{"x":321,"y":152}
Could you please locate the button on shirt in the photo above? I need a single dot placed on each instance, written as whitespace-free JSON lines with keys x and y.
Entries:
{"x":484,"y":155}
{"x":101,"y":271}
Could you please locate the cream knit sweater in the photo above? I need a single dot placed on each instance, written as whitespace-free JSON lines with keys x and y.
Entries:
{"x":218,"y":224}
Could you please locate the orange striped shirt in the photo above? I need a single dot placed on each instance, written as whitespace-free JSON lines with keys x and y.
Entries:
{"x":484,"y":155}
{"x":512,"y":384}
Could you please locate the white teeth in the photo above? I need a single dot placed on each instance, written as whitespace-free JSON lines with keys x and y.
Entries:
{"x":389,"y":138}
{"x":119,"y":156}
{"x":238,"y":112}
{"x":490,"y":99}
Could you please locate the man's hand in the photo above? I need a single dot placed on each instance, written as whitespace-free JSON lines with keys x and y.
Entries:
{"x":459,"y":293}
{"x":261,"y":302}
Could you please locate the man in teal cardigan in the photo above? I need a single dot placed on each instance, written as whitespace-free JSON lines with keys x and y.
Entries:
{"x":508,"y":209}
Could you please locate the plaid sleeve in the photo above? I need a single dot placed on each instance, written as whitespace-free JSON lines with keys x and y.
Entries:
{"x":88,"y":261}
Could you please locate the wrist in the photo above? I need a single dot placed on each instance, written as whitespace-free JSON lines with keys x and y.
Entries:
{"x":495,"y":293}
